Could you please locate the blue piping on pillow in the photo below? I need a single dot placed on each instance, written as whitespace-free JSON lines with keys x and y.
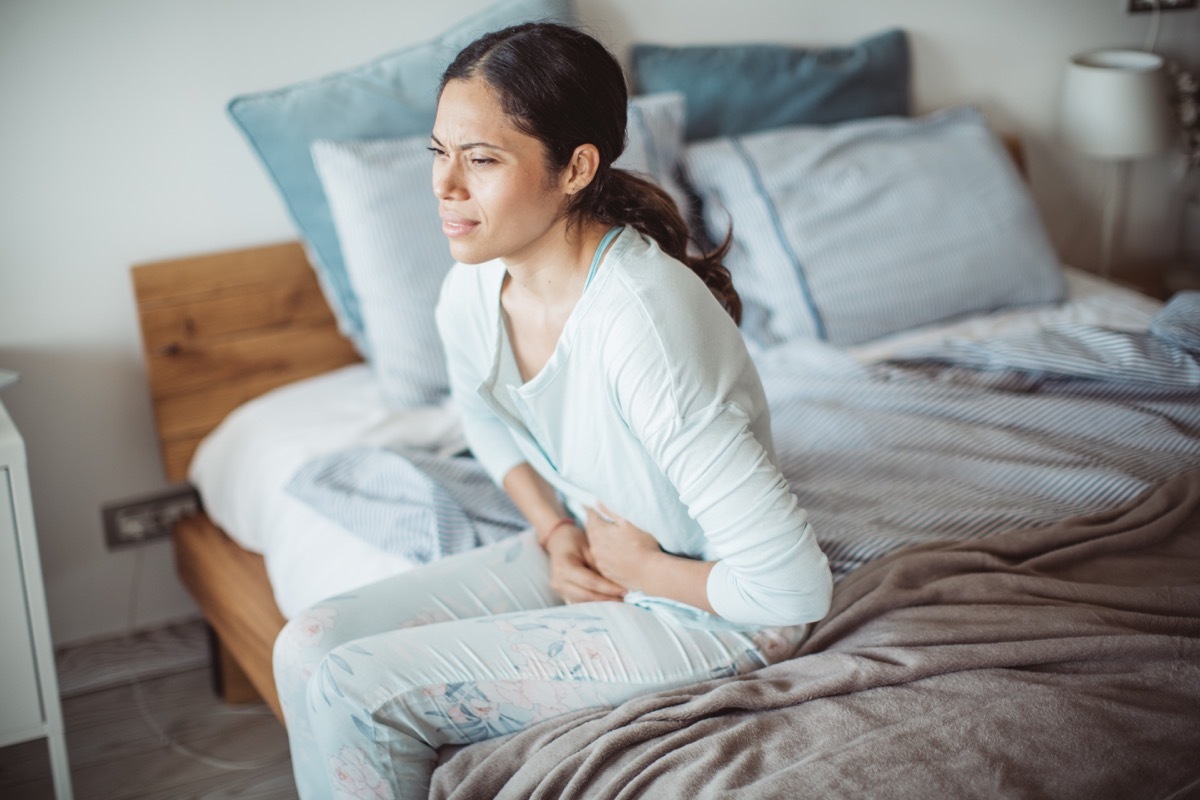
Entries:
{"x":760,"y":187}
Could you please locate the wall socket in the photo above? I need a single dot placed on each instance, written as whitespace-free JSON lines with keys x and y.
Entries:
{"x":1146,"y":6}
{"x":144,"y":519}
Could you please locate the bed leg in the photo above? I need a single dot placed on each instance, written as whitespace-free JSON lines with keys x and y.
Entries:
{"x":229,"y":681}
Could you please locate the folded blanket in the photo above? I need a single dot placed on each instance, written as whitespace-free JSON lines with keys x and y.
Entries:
{"x":420,"y":505}
{"x":1062,"y":662}
{"x":1165,"y":355}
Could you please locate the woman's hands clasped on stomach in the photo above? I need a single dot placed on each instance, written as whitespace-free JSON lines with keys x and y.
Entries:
{"x":574,"y":575}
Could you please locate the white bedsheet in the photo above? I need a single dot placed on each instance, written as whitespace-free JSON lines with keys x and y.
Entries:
{"x":241,"y":468}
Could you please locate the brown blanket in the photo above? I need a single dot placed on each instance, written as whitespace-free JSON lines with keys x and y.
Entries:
{"x":1062,"y":662}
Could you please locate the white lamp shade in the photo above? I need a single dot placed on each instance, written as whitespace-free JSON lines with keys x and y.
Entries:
{"x":1114,"y":104}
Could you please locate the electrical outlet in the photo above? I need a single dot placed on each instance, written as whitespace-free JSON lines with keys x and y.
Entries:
{"x":144,"y":519}
{"x":1146,"y":6}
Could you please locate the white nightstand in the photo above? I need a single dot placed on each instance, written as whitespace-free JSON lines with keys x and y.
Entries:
{"x":29,"y":703}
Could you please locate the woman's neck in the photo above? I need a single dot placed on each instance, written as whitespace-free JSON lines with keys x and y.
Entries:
{"x":552,"y":271}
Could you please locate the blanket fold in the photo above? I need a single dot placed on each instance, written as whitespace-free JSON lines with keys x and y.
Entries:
{"x":1062,"y":661}
{"x":421,"y":505}
{"x":1164,"y":355}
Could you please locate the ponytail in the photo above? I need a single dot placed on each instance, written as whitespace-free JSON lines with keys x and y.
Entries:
{"x":619,"y":197}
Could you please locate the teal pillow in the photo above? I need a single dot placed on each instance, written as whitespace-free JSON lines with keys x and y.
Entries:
{"x":736,"y":89}
{"x":392,"y":96}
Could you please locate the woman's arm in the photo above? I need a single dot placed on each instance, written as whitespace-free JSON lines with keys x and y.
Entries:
{"x":632,"y":558}
{"x":769,"y":569}
{"x":767,"y":566}
{"x":573,"y":573}
{"x":685,"y":386}
{"x":535,"y":498}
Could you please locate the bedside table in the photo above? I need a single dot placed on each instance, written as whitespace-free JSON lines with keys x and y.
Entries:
{"x":29,"y":702}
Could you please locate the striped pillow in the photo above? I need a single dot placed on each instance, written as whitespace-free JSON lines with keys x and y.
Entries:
{"x":851,"y":232}
{"x":396,"y":256}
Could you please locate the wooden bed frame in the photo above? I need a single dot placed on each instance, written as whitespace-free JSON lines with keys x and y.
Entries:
{"x":219,"y":330}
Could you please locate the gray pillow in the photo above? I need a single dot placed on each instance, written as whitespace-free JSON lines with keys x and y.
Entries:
{"x":851,"y":232}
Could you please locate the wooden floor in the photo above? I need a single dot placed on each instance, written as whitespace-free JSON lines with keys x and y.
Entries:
{"x":115,"y":753}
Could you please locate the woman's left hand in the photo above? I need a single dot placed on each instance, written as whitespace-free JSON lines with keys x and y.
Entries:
{"x":621,"y":550}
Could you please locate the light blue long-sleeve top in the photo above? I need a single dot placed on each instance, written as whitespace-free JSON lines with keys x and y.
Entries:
{"x":650,"y":405}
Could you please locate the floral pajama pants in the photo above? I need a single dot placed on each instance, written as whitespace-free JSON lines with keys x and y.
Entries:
{"x":467,"y":648}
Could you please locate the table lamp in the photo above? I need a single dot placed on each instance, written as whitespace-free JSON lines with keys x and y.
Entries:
{"x":1114,"y":108}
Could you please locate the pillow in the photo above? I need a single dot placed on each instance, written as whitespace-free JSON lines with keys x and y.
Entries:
{"x":396,"y":256}
{"x":851,"y":232}
{"x":392,"y":96}
{"x":654,"y":143}
{"x":734,"y":89}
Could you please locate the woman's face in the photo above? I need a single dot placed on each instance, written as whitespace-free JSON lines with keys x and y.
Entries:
{"x":496,"y":196}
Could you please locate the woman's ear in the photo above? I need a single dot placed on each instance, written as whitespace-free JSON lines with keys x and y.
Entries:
{"x":581,"y":169}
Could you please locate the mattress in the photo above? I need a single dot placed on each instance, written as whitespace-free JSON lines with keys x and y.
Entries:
{"x":243,"y":467}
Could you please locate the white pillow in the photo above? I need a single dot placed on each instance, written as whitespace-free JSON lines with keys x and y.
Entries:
{"x":854,"y":231}
{"x":385,"y":214}
{"x":396,"y":256}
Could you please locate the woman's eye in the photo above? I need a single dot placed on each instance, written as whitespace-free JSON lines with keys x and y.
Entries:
{"x":482,"y":162}
{"x":437,"y":151}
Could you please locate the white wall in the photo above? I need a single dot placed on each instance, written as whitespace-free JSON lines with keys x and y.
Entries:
{"x":116,"y":150}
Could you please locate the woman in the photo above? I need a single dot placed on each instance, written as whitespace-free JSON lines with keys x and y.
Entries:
{"x":603,"y":383}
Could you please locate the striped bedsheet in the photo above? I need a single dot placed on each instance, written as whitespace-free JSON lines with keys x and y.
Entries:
{"x":948,"y":443}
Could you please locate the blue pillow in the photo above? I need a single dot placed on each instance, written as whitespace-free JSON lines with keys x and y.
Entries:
{"x":850,"y":232}
{"x":735,"y":89}
{"x":391,"y":96}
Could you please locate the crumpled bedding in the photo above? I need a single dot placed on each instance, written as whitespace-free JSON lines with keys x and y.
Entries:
{"x":1055,"y":662}
{"x":952,"y":440}
{"x":1163,"y":355}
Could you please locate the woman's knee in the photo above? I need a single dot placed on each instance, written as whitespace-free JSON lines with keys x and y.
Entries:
{"x":347,"y":687}
{"x":304,"y":641}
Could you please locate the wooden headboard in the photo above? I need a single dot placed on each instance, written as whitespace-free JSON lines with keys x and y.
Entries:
{"x":221,"y":329}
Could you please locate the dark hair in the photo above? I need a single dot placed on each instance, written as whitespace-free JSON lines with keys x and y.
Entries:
{"x":563,"y":88}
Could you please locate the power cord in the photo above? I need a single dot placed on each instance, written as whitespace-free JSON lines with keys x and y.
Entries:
{"x":1152,"y":34}
{"x":167,"y":737}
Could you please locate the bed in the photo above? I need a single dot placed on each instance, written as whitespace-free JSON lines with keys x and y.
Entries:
{"x":1008,"y":486}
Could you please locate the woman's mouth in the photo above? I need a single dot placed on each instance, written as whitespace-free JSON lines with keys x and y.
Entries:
{"x":454,"y":226}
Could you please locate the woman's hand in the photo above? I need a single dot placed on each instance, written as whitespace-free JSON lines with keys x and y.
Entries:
{"x":573,"y":573}
{"x":620,"y":550}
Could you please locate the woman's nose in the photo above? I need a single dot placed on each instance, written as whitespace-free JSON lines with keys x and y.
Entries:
{"x":447,"y":180}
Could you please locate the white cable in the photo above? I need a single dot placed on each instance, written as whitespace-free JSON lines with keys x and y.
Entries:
{"x":166,"y":737}
{"x":1117,"y":184}
{"x":1152,"y":35}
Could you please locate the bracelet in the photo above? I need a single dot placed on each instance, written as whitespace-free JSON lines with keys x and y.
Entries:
{"x":543,"y":539}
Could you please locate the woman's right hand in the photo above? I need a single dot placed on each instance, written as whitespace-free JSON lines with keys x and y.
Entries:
{"x":573,"y":574}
